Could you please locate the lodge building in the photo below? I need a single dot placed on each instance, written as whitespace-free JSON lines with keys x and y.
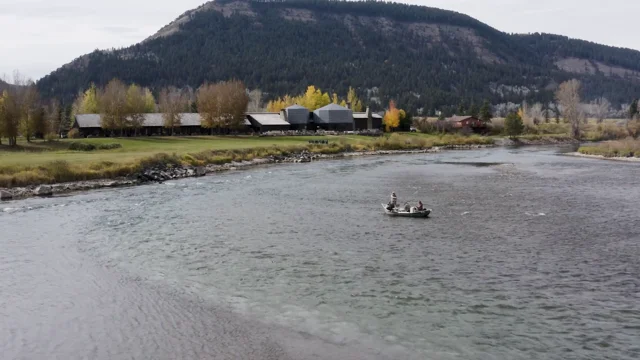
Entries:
{"x":296,"y":117}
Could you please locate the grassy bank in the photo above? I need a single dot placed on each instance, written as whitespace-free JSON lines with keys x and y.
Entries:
{"x":48,"y":163}
{"x":615,"y":148}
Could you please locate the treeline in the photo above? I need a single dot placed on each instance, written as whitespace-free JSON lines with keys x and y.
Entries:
{"x":22,"y":112}
{"x":122,"y":108}
{"x":314,"y":99}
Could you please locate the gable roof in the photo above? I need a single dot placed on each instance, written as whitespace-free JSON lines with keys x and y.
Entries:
{"x":150,"y":120}
{"x":267,"y":118}
{"x":296,"y":107}
{"x":460,"y":118}
{"x":333,"y":107}
{"x":363,"y":115}
{"x":88,"y":120}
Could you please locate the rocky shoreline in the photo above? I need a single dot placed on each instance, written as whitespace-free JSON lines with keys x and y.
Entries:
{"x":159,"y":174}
{"x":602,"y":157}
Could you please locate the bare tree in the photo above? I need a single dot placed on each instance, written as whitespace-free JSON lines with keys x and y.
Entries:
{"x":568,"y":96}
{"x":536,"y":113}
{"x":53,"y":117}
{"x":113,"y":106}
{"x":255,"y":101}
{"x":601,"y":107}
{"x":173,"y":102}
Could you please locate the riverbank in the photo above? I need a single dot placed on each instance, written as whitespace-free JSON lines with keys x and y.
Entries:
{"x":626,"y":150}
{"x":60,"y":177}
{"x":163,"y":172}
{"x":602,"y":157}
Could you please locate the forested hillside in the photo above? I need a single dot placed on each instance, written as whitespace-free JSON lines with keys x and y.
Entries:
{"x":424,"y":58}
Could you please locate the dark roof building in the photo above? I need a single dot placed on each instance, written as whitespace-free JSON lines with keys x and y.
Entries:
{"x":367,"y":120}
{"x":262,"y":122}
{"x":333,"y":117}
{"x":465,"y":121}
{"x":152,"y":124}
{"x":296,"y":115}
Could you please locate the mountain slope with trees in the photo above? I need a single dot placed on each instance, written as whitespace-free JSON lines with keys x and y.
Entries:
{"x":424,"y":58}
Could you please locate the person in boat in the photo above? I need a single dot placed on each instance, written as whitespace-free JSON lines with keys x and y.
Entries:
{"x":392,"y":204}
{"x":407,"y":208}
{"x":420,"y":206}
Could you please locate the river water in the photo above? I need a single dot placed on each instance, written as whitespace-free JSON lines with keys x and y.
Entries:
{"x":528,"y":255}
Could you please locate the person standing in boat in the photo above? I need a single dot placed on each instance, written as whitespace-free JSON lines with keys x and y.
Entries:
{"x":420,"y":206}
{"x":394,"y":200}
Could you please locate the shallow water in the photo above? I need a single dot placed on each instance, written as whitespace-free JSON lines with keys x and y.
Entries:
{"x":528,"y":255}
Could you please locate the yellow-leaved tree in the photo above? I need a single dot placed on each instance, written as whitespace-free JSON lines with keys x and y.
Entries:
{"x":392,"y":116}
{"x":88,"y":103}
{"x":353,"y":100}
{"x":149,"y":101}
{"x":314,"y":98}
{"x":280,"y":103}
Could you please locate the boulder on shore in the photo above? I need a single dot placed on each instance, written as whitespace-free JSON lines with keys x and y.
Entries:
{"x":201,"y":171}
{"x":5,"y":195}
{"x":43,"y":190}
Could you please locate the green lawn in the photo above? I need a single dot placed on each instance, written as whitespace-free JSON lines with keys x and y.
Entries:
{"x":40,"y":162}
{"x":39,"y":152}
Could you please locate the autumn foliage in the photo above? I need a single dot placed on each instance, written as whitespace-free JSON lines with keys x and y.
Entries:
{"x":392,"y":116}
{"x":222,"y":105}
{"x":314,"y":99}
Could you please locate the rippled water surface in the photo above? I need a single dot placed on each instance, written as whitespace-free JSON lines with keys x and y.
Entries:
{"x":528,"y":255}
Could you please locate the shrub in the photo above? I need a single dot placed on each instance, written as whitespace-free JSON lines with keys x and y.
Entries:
{"x":109,"y":146}
{"x":513,"y":125}
{"x":74,"y":134}
{"x":620,"y":148}
{"x":60,"y":171}
{"x":50,"y":137}
{"x":80,"y":146}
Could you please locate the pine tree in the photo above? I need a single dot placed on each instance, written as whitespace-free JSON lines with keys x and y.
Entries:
{"x":633,"y":109}
{"x":473,"y":110}
{"x":485,"y":112}
{"x":461,"y":109}
{"x":546,"y":113}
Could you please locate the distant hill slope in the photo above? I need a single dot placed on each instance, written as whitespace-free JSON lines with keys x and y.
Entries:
{"x":422,"y":57}
{"x":4,"y":86}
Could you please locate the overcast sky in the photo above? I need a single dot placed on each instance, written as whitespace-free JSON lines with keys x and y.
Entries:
{"x":38,"y":36}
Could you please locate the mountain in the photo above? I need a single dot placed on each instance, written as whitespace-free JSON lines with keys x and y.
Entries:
{"x":422,"y":57}
{"x":4,"y":86}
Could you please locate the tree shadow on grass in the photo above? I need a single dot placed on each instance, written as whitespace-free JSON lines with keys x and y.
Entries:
{"x":35,"y":147}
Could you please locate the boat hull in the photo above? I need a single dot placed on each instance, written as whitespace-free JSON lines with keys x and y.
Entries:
{"x":418,"y":214}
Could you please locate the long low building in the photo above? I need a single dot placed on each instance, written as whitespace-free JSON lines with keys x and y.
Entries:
{"x":330,"y":117}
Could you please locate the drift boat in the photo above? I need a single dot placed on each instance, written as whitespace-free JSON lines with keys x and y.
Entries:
{"x":400,"y":212}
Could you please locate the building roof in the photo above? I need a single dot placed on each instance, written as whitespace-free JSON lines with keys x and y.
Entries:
{"x":267,"y":119}
{"x":363,"y":115}
{"x":332,"y":107}
{"x":333,"y":114}
{"x":296,"y":106}
{"x":88,"y":120}
{"x":460,"y":118}
{"x":150,"y":120}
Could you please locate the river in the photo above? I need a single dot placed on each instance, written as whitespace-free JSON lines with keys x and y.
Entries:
{"x":528,"y":255}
